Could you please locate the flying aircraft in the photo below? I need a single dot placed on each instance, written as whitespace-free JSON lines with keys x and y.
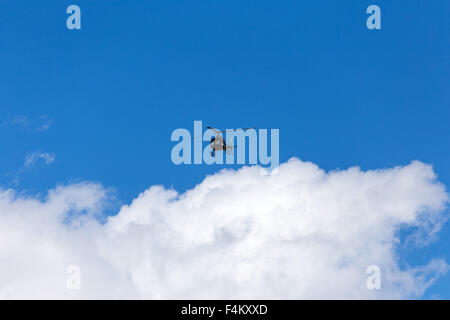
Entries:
{"x":217,"y":143}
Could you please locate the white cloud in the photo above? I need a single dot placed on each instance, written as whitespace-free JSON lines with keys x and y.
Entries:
{"x":299,"y":233}
{"x":32,"y":158}
{"x":33,"y":125}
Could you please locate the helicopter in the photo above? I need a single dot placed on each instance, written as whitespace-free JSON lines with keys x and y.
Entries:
{"x":217,"y":143}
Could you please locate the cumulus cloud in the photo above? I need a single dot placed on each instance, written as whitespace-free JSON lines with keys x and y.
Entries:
{"x":34,"y":157}
{"x":298,"y":233}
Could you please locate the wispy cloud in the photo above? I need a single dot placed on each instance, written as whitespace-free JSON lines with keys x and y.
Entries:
{"x":32,"y":158}
{"x":33,"y":125}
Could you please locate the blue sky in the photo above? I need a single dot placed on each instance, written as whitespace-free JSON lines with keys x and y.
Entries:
{"x":113,"y":92}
